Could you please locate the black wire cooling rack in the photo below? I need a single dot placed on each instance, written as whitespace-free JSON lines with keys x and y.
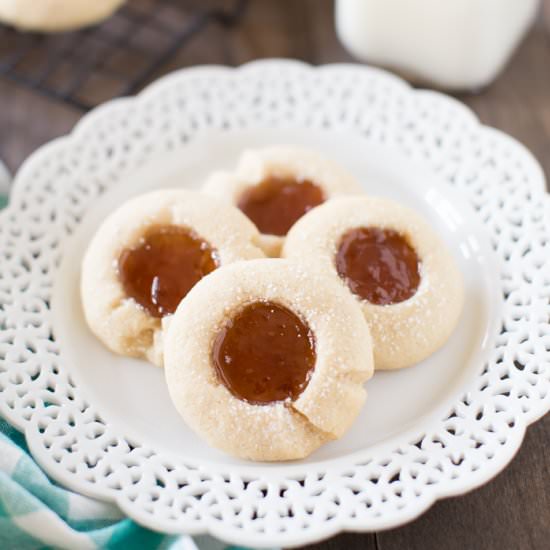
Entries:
{"x":114,"y":58}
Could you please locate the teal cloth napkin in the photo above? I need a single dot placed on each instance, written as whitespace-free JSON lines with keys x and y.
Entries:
{"x":37,"y":514}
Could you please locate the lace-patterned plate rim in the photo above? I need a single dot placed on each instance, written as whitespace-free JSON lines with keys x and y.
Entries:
{"x":478,"y":437}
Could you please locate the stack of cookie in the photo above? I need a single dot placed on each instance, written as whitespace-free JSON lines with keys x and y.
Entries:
{"x":270,"y":298}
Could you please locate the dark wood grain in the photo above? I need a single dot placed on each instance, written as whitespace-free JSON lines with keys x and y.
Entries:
{"x":513,"y":511}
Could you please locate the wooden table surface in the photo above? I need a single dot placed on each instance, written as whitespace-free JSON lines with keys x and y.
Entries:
{"x":511,"y":512}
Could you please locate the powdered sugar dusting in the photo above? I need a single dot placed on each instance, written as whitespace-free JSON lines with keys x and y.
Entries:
{"x":405,"y":332}
{"x":282,"y":429}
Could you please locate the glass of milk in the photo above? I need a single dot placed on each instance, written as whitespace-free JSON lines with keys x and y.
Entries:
{"x":452,"y":44}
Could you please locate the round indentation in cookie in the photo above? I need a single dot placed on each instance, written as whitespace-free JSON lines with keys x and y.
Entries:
{"x":275,"y":204}
{"x":260,"y":357}
{"x":378,"y":265}
{"x":264,"y":353}
{"x":146,"y":256}
{"x":393,"y":264}
{"x":168,"y":261}
{"x":277,"y":185}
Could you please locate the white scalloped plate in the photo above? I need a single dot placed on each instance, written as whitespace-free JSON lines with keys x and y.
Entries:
{"x":104,"y":425}
{"x":397,"y":400}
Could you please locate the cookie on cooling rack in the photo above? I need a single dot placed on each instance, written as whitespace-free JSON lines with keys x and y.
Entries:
{"x":55,"y":15}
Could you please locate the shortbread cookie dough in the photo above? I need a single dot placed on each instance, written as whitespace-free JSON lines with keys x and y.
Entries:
{"x":266,"y":359}
{"x":55,"y":15}
{"x":275,"y":186}
{"x":147,"y":255}
{"x":392,"y":262}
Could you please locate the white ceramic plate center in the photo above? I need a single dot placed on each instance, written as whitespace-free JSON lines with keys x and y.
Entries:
{"x":132,"y":395}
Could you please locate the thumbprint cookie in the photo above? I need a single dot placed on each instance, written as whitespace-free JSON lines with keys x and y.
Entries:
{"x":393,"y":264}
{"x":277,"y":185}
{"x":147,"y":255}
{"x":266,"y":359}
